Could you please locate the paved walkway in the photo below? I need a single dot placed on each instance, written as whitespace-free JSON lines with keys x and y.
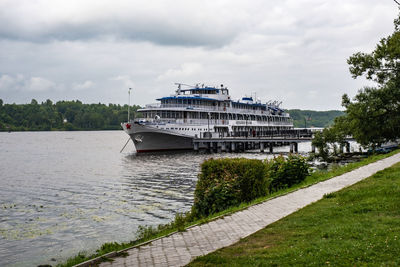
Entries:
{"x":180,"y":248}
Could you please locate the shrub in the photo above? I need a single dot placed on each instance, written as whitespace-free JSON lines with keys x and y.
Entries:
{"x":108,"y":247}
{"x":283,"y":173}
{"x":145,"y":232}
{"x":179,"y":222}
{"x":224,"y":183}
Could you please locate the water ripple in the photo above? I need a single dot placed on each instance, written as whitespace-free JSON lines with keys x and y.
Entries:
{"x":64,"y":192}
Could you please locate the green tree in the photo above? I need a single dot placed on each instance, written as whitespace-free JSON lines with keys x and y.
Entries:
{"x":330,"y":139}
{"x":373,"y":116}
{"x":383,"y":64}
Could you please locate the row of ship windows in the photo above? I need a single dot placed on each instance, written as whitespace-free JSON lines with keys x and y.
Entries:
{"x":213,"y":116}
{"x":207,"y":103}
{"x":183,"y":129}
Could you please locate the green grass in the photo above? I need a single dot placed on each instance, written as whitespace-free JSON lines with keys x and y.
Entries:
{"x":150,"y":233}
{"x":357,"y":226}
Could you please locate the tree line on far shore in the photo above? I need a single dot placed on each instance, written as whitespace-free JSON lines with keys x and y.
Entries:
{"x":75,"y":115}
{"x":63,"y":115}
{"x":312,"y":118}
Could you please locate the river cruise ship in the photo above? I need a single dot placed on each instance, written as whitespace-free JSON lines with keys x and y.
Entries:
{"x":202,"y":111}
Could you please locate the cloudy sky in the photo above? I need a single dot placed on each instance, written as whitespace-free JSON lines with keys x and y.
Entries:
{"x":294,"y":51}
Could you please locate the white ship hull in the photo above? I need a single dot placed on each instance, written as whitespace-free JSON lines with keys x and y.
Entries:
{"x":150,"y":139}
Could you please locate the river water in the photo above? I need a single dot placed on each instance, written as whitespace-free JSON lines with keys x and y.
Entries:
{"x":66,"y":192}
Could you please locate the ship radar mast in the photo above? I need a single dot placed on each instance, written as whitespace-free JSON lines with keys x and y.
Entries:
{"x":178,"y":91}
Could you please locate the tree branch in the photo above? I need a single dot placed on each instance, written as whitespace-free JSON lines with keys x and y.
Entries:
{"x":397,"y":2}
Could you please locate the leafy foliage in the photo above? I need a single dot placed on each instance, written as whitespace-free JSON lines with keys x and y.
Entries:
{"x":373,"y":116}
{"x":229,"y":182}
{"x":382,"y":65}
{"x":64,"y":115}
{"x":329,"y":138}
{"x":286,"y":172}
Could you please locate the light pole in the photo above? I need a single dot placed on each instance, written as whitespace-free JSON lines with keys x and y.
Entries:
{"x":129,"y":103}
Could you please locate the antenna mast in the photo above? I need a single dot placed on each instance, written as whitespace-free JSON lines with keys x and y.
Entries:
{"x":129,"y":103}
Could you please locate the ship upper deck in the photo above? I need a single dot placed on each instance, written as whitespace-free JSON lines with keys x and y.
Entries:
{"x":206,"y":99}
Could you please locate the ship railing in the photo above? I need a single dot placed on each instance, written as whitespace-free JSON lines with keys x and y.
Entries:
{"x":154,"y":105}
{"x":184,"y":121}
{"x":275,"y":134}
{"x":213,"y":122}
{"x":210,"y":108}
{"x":202,"y":122}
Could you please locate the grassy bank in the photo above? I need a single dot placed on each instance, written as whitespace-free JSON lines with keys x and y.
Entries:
{"x":354,"y":227}
{"x":148,"y":233}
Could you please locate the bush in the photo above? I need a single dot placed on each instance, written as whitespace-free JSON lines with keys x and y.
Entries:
{"x":179,"y":222}
{"x":145,"y":232}
{"x":224,"y":183}
{"x":284,"y":173}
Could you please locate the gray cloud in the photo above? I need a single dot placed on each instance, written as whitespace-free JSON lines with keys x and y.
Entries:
{"x":19,"y":82}
{"x":186,"y":25}
{"x":294,"y":51}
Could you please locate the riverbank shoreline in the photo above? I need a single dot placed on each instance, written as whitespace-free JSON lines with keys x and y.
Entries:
{"x":309,"y":182}
{"x":205,"y":238}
